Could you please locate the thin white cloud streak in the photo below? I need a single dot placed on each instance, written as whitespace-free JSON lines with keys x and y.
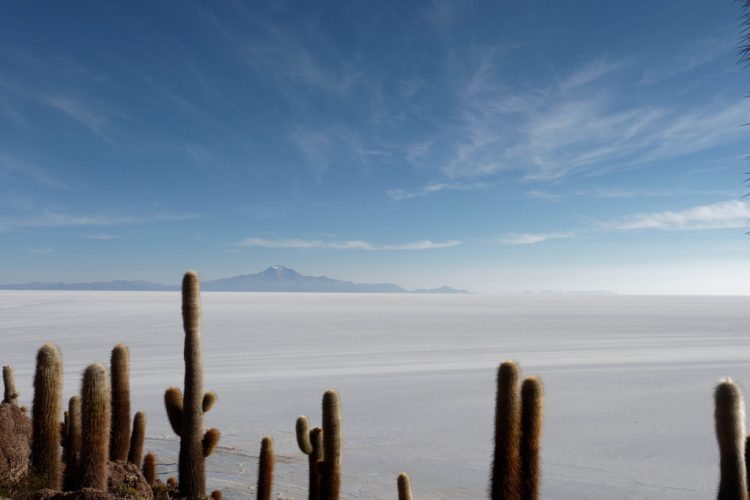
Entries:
{"x":723,"y":215}
{"x":80,"y":112}
{"x":619,"y":194}
{"x":532,"y":238}
{"x":344,"y":245}
{"x":435,"y":187}
{"x":56,"y":219}
{"x":12,"y":166}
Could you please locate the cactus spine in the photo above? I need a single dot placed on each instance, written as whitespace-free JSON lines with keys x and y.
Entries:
{"x":729,"y":415}
{"x":95,"y":418}
{"x":331,"y":474}
{"x":186,"y":411}
{"x":532,"y":404}
{"x":72,"y":452}
{"x":404,"y":486}
{"x":310,"y":442}
{"x":135,"y":453}
{"x":11,"y":394}
{"x":119,"y":440}
{"x":149,"y":468}
{"x":506,"y":468}
{"x":45,"y":450}
{"x":265,"y":469}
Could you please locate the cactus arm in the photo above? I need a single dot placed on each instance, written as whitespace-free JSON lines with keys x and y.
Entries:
{"x":210,"y":440}
{"x":302,"y":429}
{"x":209,"y":400}
{"x":173,"y":403}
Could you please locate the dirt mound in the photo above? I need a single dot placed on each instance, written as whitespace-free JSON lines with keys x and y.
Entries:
{"x":15,"y":443}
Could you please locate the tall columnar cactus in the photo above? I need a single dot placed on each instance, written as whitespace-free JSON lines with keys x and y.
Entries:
{"x":310,"y":442}
{"x":10,"y":395}
{"x":149,"y":468}
{"x":95,"y":425}
{"x":506,"y":468}
{"x":330,"y":484}
{"x":119,"y":440}
{"x":135,"y":453}
{"x":265,"y":469}
{"x":404,"y":486}
{"x":186,"y":411}
{"x":532,"y":405}
{"x":72,"y":452}
{"x":45,"y":450}
{"x":729,"y":416}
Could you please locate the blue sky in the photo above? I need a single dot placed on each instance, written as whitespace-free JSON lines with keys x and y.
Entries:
{"x":495,"y":146}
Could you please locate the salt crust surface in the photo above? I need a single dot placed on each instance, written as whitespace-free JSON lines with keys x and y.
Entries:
{"x":628,"y":381}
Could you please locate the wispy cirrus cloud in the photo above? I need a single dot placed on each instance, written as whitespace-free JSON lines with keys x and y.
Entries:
{"x":436,"y":187}
{"x":723,"y":215}
{"x":583,"y":124}
{"x":532,"y":238}
{"x":343,"y":245}
{"x":59,"y":219}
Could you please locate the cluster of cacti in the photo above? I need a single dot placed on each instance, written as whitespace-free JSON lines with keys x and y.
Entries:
{"x":310,"y":442}
{"x":86,"y":433}
{"x":185,"y":412}
{"x":518,"y":428}
{"x":323,"y":446}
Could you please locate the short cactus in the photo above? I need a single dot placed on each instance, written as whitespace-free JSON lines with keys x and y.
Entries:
{"x":310,"y":442}
{"x":332,"y":444}
{"x":119,"y":440}
{"x":185,"y":411}
{"x":45,"y":449}
{"x":532,"y":403}
{"x":95,"y":419}
{"x":135,"y":452}
{"x":10,"y":395}
{"x":149,"y":468}
{"x":506,"y":468}
{"x":404,"y":486}
{"x":216,"y":495}
{"x":265,"y":469}
{"x":72,"y":451}
{"x":729,"y":416}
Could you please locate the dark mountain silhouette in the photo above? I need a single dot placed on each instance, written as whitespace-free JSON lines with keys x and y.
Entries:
{"x":273,"y":279}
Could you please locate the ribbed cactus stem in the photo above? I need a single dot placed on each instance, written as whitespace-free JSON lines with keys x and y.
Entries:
{"x":265,"y":469}
{"x":10,"y":395}
{"x":192,"y":471}
{"x":119,"y":441}
{"x":729,"y":416}
{"x":332,"y":443}
{"x":316,"y":441}
{"x":532,"y":407}
{"x":135,"y":452}
{"x":506,"y":468}
{"x":149,"y":468}
{"x":45,"y":450}
{"x":72,"y":477}
{"x":96,"y":419}
{"x":404,"y":486}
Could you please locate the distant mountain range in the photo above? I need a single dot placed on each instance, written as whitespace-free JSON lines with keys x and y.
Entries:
{"x":273,"y":279}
